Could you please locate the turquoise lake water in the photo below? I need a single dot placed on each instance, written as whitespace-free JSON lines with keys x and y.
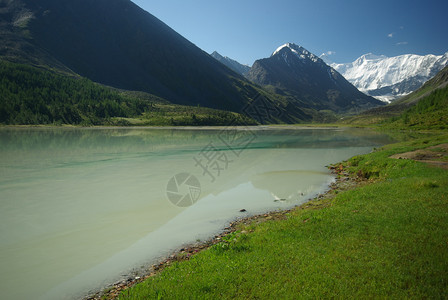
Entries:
{"x":83,"y":208}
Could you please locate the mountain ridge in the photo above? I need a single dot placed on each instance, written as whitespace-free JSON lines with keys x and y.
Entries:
{"x":430,"y":100}
{"x":389,"y":78}
{"x":294,"y":71}
{"x":231,"y":63}
{"x":118,"y":44}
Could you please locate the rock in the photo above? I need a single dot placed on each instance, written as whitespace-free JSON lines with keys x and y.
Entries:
{"x":243,"y":210}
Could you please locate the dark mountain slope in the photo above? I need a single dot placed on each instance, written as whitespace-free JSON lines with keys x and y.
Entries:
{"x":116,"y":43}
{"x":33,"y":96}
{"x":294,"y":71}
{"x":16,"y":42}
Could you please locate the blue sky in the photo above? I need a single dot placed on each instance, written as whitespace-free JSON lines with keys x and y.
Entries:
{"x":247,"y":30}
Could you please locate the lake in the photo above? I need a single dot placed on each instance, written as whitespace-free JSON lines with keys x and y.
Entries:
{"x":83,"y":208}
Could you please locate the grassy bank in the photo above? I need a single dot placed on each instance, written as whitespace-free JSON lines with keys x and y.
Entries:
{"x":386,"y":238}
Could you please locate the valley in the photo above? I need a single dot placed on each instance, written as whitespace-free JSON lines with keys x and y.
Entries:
{"x":178,"y":84}
{"x":139,"y":161}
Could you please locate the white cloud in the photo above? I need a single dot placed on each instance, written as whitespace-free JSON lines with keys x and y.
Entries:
{"x":328,"y":53}
{"x":326,"y":56}
{"x":401,"y":43}
{"x":390,"y":35}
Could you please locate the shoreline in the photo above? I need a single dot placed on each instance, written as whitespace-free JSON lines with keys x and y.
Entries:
{"x":242,"y":127}
{"x":342,"y":182}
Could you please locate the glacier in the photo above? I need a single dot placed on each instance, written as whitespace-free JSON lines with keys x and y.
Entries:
{"x":389,"y":78}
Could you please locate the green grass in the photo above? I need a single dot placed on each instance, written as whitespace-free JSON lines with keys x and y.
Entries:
{"x":386,"y":239}
{"x":167,"y":114}
{"x":431,"y":112}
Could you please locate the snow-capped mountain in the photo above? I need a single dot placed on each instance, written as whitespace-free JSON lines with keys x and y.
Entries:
{"x":295,"y":72}
{"x":388,"y":78}
{"x":299,"y":51}
{"x":231,"y":63}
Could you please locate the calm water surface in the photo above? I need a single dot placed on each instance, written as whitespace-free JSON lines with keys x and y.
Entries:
{"x":82,"y":208}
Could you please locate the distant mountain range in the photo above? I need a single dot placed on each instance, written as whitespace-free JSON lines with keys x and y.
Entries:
{"x":425,"y":108}
{"x":232,"y":64}
{"x":389,"y":78}
{"x":295,"y":72}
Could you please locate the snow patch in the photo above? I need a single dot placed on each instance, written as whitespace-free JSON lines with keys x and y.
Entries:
{"x":280,"y":48}
{"x":299,"y":51}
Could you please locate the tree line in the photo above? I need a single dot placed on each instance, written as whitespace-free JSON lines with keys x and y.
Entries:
{"x":30,"y":95}
{"x":431,"y":112}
